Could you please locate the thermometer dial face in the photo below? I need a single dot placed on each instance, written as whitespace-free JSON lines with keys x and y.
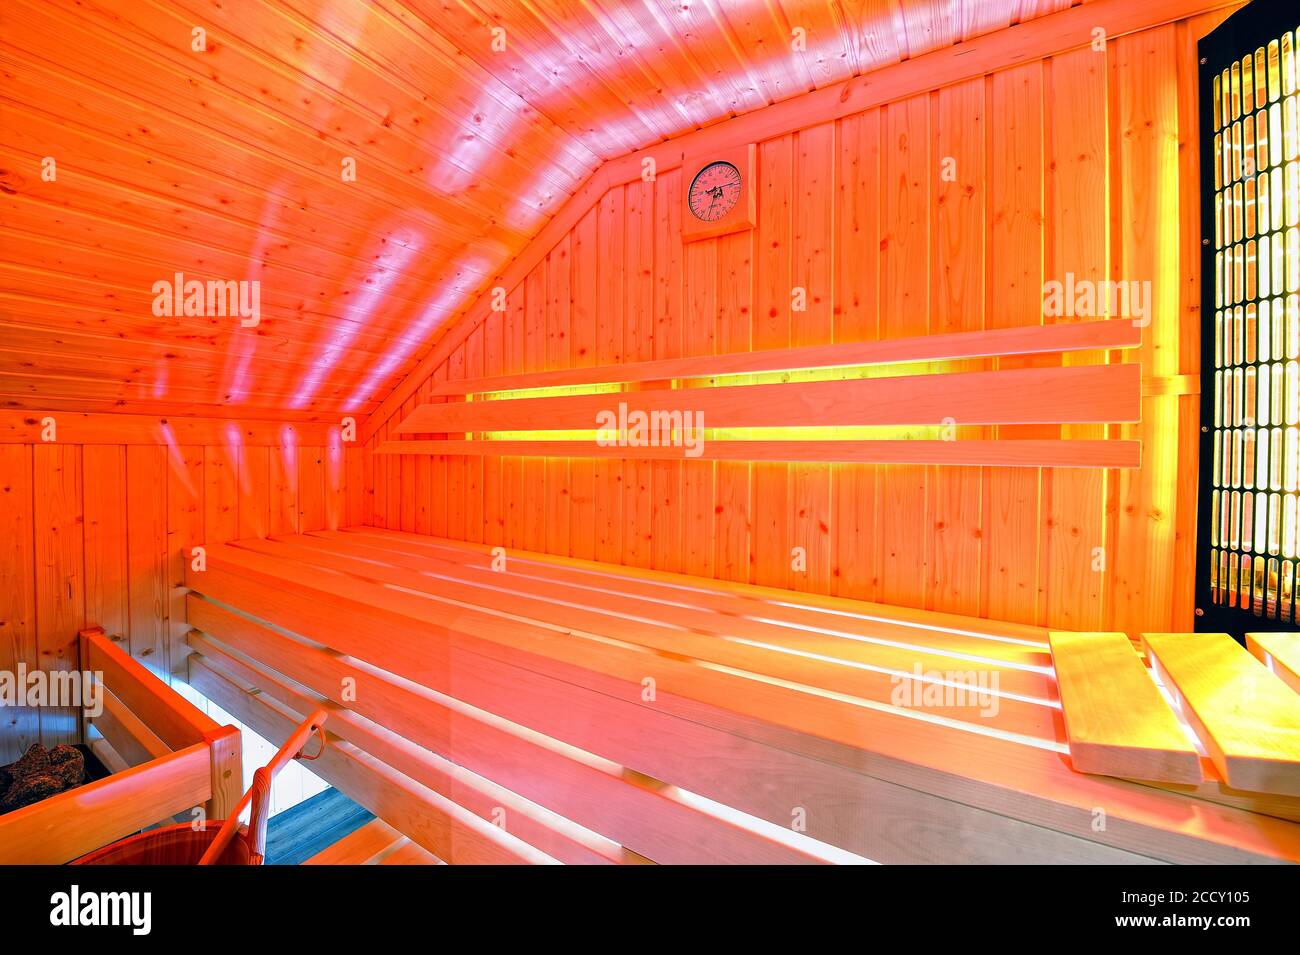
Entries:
{"x":715,"y":190}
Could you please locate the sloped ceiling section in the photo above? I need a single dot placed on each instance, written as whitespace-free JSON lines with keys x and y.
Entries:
{"x":272,"y":209}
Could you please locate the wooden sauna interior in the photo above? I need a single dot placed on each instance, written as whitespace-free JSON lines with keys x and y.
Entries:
{"x":657,"y":431}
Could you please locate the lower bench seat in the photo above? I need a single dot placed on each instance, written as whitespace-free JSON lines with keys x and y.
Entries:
{"x":512,"y":707}
{"x":375,"y":843}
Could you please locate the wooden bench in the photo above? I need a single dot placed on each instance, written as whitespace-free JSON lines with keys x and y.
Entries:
{"x":557,"y":710}
{"x":858,"y":392}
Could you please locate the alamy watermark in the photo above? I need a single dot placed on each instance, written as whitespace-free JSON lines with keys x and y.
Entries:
{"x":946,"y":689}
{"x":1086,"y":298}
{"x":77,"y":907}
{"x":624,"y":428}
{"x":75,"y":689}
{"x":214,"y":298}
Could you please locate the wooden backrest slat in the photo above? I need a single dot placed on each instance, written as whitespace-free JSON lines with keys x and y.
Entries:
{"x":1030,"y":340}
{"x":1067,"y":395}
{"x":1032,"y":453}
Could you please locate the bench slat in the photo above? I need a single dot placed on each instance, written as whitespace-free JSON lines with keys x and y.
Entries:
{"x":731,"y":597}
{"x":652,"y":823}
{"x":1117,"y":722}
{"x":707,"y":609}
{"x":1280,"y":652}
{"x":1248,"y":719}
{"x":401,"y":752}
{"x":989,"y":693}
{"x":442,"y":827}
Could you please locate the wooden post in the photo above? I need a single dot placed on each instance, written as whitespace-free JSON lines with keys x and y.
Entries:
{"x":82,"y":656}
{"x":227,"y":771}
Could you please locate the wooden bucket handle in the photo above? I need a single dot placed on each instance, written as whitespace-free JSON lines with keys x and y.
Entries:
{"x":259,"y":794}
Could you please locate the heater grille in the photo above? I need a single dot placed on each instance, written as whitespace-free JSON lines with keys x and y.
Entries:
{"x":1250,"y":462}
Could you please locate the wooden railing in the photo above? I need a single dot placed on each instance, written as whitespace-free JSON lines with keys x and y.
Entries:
{"x":165,"y":756}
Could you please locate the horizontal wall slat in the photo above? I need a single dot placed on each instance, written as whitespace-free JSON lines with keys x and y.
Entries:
{"x":1029,"y":340}
{"x":1011,"y":453}
{"x":73,"y":427}
{"x":1082,"y":394}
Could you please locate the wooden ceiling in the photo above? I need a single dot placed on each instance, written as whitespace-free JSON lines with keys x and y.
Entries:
{"x":228,"y":164}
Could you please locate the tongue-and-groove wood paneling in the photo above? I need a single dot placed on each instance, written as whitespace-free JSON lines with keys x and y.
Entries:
{"x":1083,"y":163}
{"x":98,"y":534}
{"x":469,"y":125}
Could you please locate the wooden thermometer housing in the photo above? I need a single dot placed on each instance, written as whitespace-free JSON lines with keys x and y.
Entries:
{"x":718,"y":192}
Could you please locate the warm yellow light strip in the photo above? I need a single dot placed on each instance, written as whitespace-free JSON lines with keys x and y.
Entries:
{"x":551,"y":392}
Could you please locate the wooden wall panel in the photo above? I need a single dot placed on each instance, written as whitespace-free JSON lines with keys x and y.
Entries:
{"x":667,"y":534}
{"x":146,"y":554}
{"x":107,"y":587}
{"x":21,"y":724}
{"x":1014,"y":261}
{"x":102,"y":534}
{"x":1145,"y":82}
{"x":610,"y":271}
{"x":854,"y":529}
{"x":59,"y":573}
{"x":185,"y":531}
{"x":941,"y":211}
{"x":734,"y":525}
{"x":957,"y":304}
{"x":770,"y":551}
{"x":584,"y":282}
{"x":908,"y":173}
{"x":808,"y":510}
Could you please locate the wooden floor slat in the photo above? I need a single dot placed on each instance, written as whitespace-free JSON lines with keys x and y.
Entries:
{"x":1247,"y":718}
{"x":1117,"y":722}
{"x":1280,"y":652}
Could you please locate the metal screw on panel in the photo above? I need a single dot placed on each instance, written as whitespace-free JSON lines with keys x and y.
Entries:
{"x":1200,"y":612}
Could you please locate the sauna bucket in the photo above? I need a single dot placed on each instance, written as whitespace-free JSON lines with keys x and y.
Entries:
{"x":224,"y":843}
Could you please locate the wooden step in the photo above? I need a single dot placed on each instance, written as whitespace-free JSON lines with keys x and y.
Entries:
{"x":1247,"y":718}
{"x":407,"y":852}
{"x":1280,"y":652}
{"x":1116,"y":720}
{"x":362,"y":846}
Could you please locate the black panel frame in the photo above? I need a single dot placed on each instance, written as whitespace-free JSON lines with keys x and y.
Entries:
{"x":1247,"y":29}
